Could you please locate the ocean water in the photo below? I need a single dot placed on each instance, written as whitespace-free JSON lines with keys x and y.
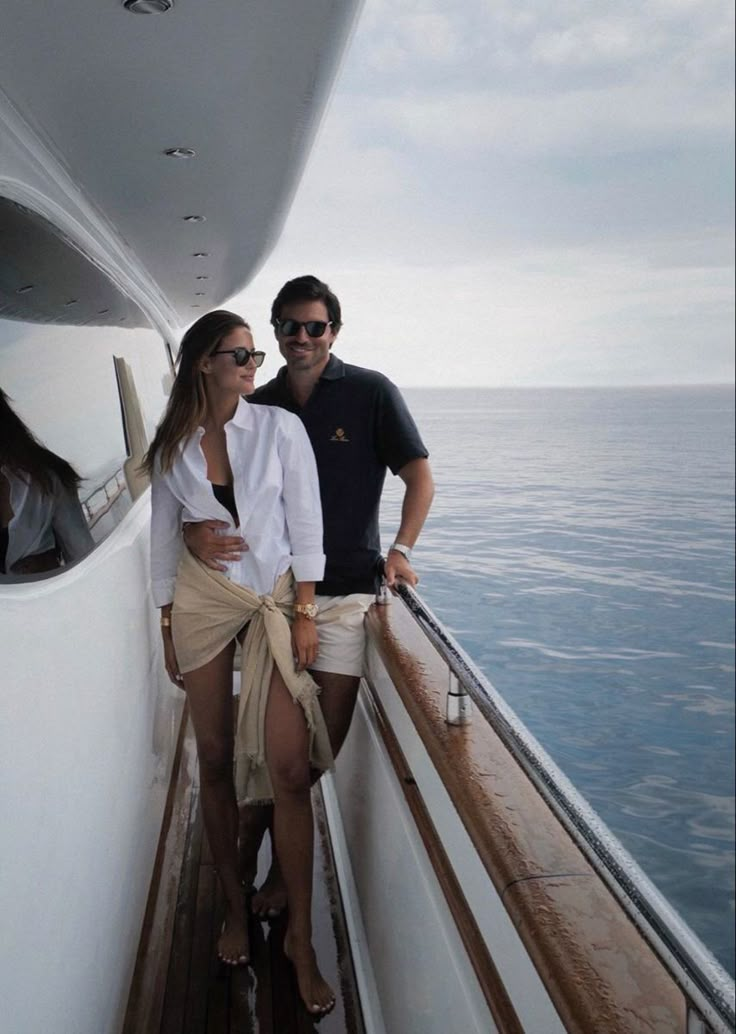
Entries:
{"x":581,"y":549}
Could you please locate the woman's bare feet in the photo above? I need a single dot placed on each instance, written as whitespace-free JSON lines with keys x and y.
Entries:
{"x":316,"y":993}
{"x":233,"y":947}
{"x":270,"y":900}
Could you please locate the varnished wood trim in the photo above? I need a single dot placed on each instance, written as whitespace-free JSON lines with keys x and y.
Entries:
{"x":148,"y":986}
{"x":490,"y":982}
{"x":179,"y":987}
{"x":329,"y":887}
{"x":514,"y":832}
{"x":597,"y":969}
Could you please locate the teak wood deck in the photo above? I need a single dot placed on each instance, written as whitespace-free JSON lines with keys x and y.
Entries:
{"x":180,"y":987}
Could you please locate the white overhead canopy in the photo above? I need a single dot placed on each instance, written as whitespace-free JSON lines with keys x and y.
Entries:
{"x":242,"y":82}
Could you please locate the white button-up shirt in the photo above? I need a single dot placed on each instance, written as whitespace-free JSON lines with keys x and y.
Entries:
{"x":44,"y":520}
{"x":276,"y":494}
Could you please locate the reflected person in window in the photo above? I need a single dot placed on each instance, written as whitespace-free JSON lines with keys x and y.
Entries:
{"x":42,"y":523}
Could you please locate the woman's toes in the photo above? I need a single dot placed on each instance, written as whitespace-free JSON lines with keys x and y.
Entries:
{"x":232,"y":945}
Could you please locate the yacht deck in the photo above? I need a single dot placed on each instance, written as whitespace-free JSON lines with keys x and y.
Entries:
{"x":180,"y":987}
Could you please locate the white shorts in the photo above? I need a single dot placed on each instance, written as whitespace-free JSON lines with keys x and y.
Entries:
{"x":342,"y":638}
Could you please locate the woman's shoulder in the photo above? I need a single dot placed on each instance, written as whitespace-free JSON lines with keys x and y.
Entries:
{"x":274,"y":416}
{"x":171,"y":469}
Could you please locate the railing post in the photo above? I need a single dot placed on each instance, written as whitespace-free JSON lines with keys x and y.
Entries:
{"x":459,"y":706}
{"x":383,"y":594}
{"x":695,"y":1023}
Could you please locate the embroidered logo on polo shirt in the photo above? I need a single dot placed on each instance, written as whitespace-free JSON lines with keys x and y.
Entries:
{"x":339,"y":436}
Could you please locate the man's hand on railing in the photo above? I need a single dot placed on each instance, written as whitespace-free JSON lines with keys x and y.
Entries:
{"x":398,"y":569}
{"x":203,"y":539}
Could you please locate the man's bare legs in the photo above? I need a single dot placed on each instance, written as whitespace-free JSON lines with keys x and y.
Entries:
{"x":337,"y":700}
{"x":287,"y":756}
{"x":254,"y":820}
{"x":338,"y":694}
{"x":209,"y":692}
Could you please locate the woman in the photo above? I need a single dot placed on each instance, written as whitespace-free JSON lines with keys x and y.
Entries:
{"x":42,"y":524}
{"x":215,"y":456}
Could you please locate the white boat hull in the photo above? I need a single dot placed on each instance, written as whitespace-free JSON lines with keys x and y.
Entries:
{"x":87,"y":749}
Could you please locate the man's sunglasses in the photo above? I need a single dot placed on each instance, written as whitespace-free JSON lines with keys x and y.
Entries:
{"x":242,"y":355}
{"x":314,"y":328}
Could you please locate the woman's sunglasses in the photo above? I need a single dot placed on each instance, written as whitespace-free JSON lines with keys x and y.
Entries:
{"x":314,"y":328}
{"x":242,"y":355}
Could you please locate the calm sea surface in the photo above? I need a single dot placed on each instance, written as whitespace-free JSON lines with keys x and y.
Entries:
{"x":581,"y":549}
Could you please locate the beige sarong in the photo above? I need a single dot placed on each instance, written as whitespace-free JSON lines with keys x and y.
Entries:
{"x":208,"y":612}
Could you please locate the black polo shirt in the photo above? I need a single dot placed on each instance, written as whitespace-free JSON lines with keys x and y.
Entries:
{"x":358,"y":424}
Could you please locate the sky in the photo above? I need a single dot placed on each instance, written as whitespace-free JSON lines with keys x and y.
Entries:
{"x":522,"y":192}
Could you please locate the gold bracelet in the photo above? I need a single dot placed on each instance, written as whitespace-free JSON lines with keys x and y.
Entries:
{"x":165,"y":622}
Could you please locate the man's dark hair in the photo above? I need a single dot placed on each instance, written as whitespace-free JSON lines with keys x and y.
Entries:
{"x":307,"y":289}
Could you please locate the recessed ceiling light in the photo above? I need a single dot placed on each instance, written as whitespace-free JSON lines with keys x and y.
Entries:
{"x":194,"y":218}
{"x":25,"y":289}
{"x":180,"y":152}
{"x":200,"y":254}
{"x":148,"y":6}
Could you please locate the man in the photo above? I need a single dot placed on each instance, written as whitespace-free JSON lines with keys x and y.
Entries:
{"x":358,"y":425}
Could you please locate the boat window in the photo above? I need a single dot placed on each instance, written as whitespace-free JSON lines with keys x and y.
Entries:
{"x":82,"y":381}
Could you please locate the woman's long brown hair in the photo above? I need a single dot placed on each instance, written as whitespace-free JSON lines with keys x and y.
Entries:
{"x":22,"y":453}
{"x":187,"y":404}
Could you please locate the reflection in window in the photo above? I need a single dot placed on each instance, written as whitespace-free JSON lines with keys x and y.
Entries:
{"x":42,"y":522}
{"x":72,"y":348}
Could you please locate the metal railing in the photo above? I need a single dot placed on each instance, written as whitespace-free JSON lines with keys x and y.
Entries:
{"x":704,"y":981}
{"x":97,"y":502}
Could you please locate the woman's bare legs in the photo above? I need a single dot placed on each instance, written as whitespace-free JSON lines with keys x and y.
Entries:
{"x":287,"y":754}
{"x":338,"y":694}
{"x":209,"y":691}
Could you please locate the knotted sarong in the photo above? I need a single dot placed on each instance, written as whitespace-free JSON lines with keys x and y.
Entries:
{"x":207,"y":614}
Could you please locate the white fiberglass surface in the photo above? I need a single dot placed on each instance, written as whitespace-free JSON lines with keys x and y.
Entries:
{"x":110,"y":92}
{"x":424,"y":980}
{"x":87,"y":740}
{"x":521,"y":980}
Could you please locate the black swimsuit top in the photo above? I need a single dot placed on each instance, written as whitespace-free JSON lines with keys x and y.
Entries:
{"x":225,"y":494}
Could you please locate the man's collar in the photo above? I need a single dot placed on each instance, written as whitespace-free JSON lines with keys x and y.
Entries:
{"x":334,"y":370}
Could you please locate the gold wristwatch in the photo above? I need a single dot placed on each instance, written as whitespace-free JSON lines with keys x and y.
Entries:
{"x":307,"y":610}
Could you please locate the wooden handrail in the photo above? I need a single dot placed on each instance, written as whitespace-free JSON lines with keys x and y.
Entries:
{"x":599,"y":972}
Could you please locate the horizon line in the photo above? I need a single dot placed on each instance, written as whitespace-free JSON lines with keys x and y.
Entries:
{"x":551,"y":387}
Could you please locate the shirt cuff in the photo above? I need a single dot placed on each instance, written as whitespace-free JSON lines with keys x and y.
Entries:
{"x":308,"y":567}
{"x":163,"y":591}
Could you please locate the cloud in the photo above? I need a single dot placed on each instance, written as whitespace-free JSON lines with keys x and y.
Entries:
{"x":537,"y":47}
{"x":426,"y":36}
{"x":565,"y":170}
{"x":546,"y":316}
{"x":613,"y":120}
{"x":608,"y":41}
